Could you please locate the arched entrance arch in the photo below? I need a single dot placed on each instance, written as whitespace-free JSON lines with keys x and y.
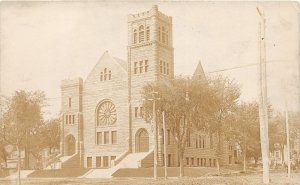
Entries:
{"x":142,"y":140}
{"x":70,"y":145}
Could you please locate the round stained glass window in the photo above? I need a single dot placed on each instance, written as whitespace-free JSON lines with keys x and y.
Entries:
{"x":106,"y":114}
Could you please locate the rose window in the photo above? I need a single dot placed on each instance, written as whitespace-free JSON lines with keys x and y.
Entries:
{"x":106,"y":114}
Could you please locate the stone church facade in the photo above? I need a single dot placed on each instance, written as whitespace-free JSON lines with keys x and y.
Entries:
{"x":102,"y":116}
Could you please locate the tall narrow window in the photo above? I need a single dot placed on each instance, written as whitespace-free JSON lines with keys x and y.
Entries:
{"x":89,"y":162}
{"x":70,"y":102}
{"x":167,"y":38}
{"x":148,"y":33}
{"x":105,"y":73}
{"x":98,"y":162}
{"x":197,"y":141}
{"x":114,"y":137}
{"x":141,"y":112}
{"x":163,"y":136}
{"x":188,"y":142}
{"x":161,"y":66}
{"x":167,"y":68}
{"x":134,"y":36}
{"x":70,"y":119}
{"x":164,"y":68}
{"x":109,"y":74}
{"x":136,"y":109}
{"x":141,"y":66}
{"x":159,"y":34}
{"x":135,"y":67}
{"x":203,"y":141}
{"x":106,"y":137}
{"x":163,"y":34}
{"x":73,"y":119}
{"x":99,"y":138}
{"x":101,"y":76}
{"x":169,"y":136}
{"x":146,"y":65}
{"x":67,"y":119}
{"x":105,"y":161}
{"x":141,"y":33}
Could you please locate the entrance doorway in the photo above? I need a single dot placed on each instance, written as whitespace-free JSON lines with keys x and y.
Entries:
{"x":142,"y":140}
{"x":70,"y":145}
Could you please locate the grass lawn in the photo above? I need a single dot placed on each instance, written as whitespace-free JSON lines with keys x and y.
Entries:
{"x":172,"y":172}
{"x":242,"y":179}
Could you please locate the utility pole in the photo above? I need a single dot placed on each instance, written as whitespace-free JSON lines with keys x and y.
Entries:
{"x":263,"y":107}
{"x":155,"y":135}
{"x":165,"y":144}
{"x":287,"y":140}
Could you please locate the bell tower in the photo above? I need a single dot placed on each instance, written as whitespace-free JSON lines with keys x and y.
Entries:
{"x":150,"y":58}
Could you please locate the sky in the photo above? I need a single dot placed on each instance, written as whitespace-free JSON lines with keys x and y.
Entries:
{"x":42,"y":43}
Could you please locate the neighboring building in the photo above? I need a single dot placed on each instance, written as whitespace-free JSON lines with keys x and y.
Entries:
{"x":102,"y":115}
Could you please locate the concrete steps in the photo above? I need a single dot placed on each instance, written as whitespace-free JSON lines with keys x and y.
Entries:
{"x":132,"y":160}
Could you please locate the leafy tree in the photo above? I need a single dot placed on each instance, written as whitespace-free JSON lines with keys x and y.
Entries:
{"x":246,"y":129}
{"x":226,"y":93}
{"x":186,"y":103}
{"x":50,"y":134}
{"x":22,"y":119}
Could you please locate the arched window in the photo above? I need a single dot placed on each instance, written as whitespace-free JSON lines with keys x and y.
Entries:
{"x":148,"y":33}
{"x":141,"y":34}
{"x":105,"y":73}
{"x":134,"y":36}
{"x":109,"y":74}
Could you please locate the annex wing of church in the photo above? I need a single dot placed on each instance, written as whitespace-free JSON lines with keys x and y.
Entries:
{"x":102,"y":124}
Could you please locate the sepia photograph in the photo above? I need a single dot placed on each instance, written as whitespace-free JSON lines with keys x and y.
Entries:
{"x":149,"y":92}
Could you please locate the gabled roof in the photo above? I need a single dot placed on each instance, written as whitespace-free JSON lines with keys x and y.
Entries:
{"x":122,"y":62}
{"x":199,"y":72}
{"x":106,"y":57}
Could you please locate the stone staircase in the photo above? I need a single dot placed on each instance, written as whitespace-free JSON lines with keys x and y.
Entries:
{"x":71,"y":162}
{"x":132,"y":160}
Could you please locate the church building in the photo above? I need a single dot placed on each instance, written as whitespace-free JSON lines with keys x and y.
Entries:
{"x":102,"y":124}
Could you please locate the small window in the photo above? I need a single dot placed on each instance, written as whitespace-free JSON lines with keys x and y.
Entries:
{"x":148,"y":33}
{"x":203,"y":141}
{"x":167,"y":38}
{"x":163,"y":136}
{"x":67,"y":119}
{"x":105,"y":73}
{"x":161,"y":66}
{"x":101,"y":76}
{"x":146,"y":65}
{"x":141,"y":112}
{"x":106,"y":137}
{"x":114,"y":137}
{"x":187,"y":160}
{"x":198,"y":162}
{"x":159,"y":34}
{"x":135,"y":67}
{"x":99,"y":138}
{"x":192,"y":161}
{"x":70,"y":119}
{"x":73,"y":119}
{"x":167,"y":68}
{"x":70,"y":102}
{"x":105,"y":161}
{"x":169,"y":136}
{"x":89,"y":162}
{"x":134,"y":36}
{"x":210,"y":164}
{"x":164,"y":68}
{"x":141,"y":33}
{"x":163,"y":34}
{"x":136,"y":109}
{"x":141,"y":66}
{"x":109,"y":75}
{"x":98,"y":162}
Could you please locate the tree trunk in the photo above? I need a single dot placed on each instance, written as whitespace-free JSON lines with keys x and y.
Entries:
{"x":218,"y":152}
{"x":244,"y":163}
{"x":181,"y":167}
{"x":19,"y":165}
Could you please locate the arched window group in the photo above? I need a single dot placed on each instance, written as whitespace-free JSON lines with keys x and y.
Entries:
{"x":105,"y":75}
{"x":141,"y":34}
